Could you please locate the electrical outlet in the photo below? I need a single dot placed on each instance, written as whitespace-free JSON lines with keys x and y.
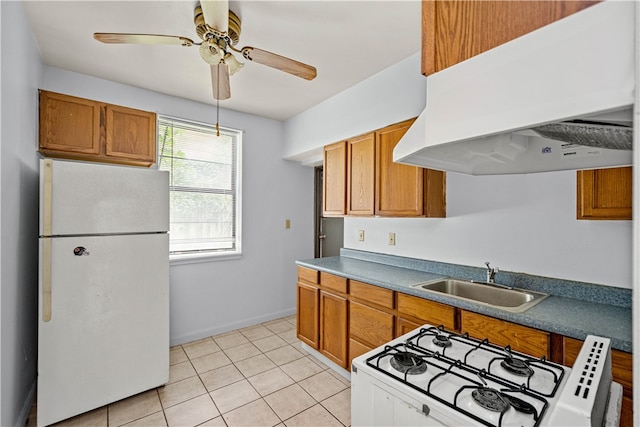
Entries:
{"x":361,"y":235}
{"x":287,"y":224}
{"x":392,"y":239}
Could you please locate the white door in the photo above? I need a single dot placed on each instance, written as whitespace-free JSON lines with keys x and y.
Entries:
{"x":87,"y":198}
{"x":107,"y":337}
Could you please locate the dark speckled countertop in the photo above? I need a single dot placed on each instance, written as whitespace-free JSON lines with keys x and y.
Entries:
{"x":572,"y":309}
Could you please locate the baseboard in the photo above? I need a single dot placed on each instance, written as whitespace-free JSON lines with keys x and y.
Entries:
{"x":220,"y":329}
{"x":334,"y":366}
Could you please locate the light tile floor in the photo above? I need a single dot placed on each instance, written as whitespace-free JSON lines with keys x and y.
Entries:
{"x":255,"y":376}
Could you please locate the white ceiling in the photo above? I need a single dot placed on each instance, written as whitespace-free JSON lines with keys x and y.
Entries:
{"x":347,"y":41}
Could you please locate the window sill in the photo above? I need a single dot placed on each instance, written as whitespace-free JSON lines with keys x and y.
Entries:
{"x":204,"y":257}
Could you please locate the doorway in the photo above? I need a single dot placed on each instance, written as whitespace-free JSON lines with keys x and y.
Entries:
{"x":329,"y":231}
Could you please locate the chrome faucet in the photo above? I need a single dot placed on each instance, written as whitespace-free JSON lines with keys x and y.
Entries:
{"x":491,"y":272}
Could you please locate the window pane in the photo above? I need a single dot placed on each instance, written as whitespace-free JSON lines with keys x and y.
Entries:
{"x":203,"y":174}
{"x":201,"y":218}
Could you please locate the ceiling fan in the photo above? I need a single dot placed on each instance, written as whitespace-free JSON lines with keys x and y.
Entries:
{"x":219,"y":29}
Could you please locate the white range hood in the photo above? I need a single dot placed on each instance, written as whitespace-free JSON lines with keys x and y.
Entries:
{"x":479,"y":112}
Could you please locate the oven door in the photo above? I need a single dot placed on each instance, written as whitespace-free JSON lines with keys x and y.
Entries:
{"x":376,"y":402}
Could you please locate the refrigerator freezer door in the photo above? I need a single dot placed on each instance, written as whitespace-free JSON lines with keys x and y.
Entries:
{"x":87,"y":198}
{"x":108,"y":334}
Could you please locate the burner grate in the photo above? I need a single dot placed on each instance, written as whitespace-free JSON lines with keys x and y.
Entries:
{"x":441,"y":367}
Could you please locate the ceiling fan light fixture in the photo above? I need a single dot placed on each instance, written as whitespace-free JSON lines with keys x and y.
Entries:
{"x":233,"y":63}
{"x":219,"y":28}
{"x":210,"y":53}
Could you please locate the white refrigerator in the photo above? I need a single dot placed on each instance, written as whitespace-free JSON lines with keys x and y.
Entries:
{"x":103,"y":285}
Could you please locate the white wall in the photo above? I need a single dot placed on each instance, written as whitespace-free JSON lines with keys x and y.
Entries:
{"x":521,"y":223}
{"x":388,"y":97}
{"x":21,"y":70}
{"x":213,"y":297}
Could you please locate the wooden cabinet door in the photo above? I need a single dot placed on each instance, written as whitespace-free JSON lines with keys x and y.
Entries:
{"x":399,"y":187}
{"x":604,"y":193}
{"x":131,"y":134}
{"x":502,"y":333}
{"x":307,"y":314}
{"x":404,"y":326}
{"x":361,"y":175}
{"x":454,"y":30}
{"x":421,"y":311}
{"x":334,"y":328}
{"x":83,"y":129}
{"x":370,"y":326}
{"x":334,"y":182}
{"x":356,"y":348}
{"x":69,"y":124}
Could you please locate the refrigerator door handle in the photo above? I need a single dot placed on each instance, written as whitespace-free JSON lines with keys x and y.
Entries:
{"x":48,"y":192}
{"x":46,"y":279}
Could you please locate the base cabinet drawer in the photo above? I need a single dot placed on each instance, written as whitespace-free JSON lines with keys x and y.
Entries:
{"x":371,"y":294}
{"x":423,"y":311}
{"x":500,"y":332}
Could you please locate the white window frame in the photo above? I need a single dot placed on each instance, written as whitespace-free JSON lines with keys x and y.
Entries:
{"x":213,"y":255}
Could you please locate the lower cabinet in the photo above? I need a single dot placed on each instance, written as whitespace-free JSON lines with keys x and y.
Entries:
{"x":344,"y":319}
{"x":333,"y":333}
{"x":307,"y":326}
{"x":500,"y":332}
{"x":621,"y":367}
{"x":414,"y":312}
{"x":369,"y":328}
{"x":371,"y":317}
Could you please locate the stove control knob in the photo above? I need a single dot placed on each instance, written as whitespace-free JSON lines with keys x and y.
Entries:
{"x":425,"y":409}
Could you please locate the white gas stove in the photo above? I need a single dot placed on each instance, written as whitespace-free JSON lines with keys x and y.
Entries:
{"x":433,"y":377}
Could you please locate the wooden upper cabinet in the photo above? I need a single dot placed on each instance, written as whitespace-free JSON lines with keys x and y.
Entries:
{"x":83,"y":129}
{"x":455,"y":30}
{"x":361,"y":174}
{"x":334,"y":193}
{"x":131,"y":134}
{"x":400,"y":189}
{"x":69,"y":124}
{"x":604,"y":194}
{"x":360,"y":178}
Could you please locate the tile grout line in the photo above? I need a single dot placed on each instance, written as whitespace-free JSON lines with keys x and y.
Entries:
{"x":276,"y":334}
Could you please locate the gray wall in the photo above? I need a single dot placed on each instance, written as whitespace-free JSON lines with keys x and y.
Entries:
{"x":217,"y":296}
{"x":207,"y":297}
{"x":21,"y":71}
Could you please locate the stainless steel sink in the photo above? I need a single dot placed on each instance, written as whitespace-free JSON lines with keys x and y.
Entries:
{"x":509,"y":299}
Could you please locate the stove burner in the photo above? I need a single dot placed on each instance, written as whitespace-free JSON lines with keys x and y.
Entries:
{"x":409,"y":363}
{"x":490,"y":399}
{"x":441,"y":340}
{"x":517,"y":367}
{"x":519,"y":404}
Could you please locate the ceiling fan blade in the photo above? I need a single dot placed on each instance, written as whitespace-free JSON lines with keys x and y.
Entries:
{"x":216,"y":14}
{"x":220,"y":81}
{"x":280,"y":62}
{"x":142,"y":39}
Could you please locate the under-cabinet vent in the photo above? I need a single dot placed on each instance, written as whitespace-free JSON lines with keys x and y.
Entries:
{"x":585,"y":396}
